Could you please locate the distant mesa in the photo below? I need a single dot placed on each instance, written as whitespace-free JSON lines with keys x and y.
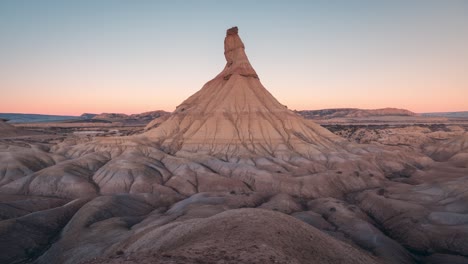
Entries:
{"x":110,"y":116}
{"x":35,"y":118}
{"x":87,"y":115}
{"x":145,"y":117}
{"x":460,"y":114}
{"x":151,"y":115}
{"x":354,"y":112}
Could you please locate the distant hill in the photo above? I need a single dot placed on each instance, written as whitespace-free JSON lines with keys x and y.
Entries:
{"x":107,"y":116}
{"x":149,"y":116}
{"x":32,"y":118}
{"x":87,"y":115}
{"x":353,"y":113}
{"x":142,"y":117}
{"x":461,"y":114}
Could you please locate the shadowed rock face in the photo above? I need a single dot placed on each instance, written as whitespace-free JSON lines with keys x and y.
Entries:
{"x":171,"y":194}
{"x":26,"y":237}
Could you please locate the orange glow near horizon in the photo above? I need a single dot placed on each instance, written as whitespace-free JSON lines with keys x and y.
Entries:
{"x":132,"y":100}
{"x":423,"y":88}
{"x":415,"y":92}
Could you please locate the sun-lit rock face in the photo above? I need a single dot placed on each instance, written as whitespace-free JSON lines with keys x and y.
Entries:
{"x":234,"y":115}
{"x":236,"y":59}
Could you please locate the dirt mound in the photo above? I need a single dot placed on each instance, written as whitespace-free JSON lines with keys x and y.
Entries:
{"x":239,"y":236}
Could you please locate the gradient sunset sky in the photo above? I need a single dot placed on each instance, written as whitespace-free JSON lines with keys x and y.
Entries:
{"x":70,"y":57}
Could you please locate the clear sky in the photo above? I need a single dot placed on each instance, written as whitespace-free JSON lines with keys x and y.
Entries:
{"x":70,"y":57}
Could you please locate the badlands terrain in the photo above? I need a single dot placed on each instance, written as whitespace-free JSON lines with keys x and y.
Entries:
{"x":233,"y":176}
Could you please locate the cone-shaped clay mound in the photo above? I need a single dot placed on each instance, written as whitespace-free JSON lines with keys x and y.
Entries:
{"x":234,"y":115}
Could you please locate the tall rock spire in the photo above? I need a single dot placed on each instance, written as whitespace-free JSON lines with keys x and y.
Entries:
{"x":236,"y":59}
{"x":233,"y":115}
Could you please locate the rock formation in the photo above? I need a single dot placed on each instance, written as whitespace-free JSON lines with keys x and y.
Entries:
{"x":233,"y":115}
{"x":231,"y":135}
{"x":175,"y":193}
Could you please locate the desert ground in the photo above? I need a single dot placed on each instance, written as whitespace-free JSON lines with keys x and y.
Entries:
{"x":233,"y":176}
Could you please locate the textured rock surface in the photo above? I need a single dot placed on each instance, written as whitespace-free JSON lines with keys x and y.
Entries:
{"x":425,"y":218}
{"x":20,"y":160}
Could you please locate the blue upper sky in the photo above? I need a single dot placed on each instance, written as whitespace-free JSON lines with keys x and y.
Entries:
{"x":68,"y":57}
